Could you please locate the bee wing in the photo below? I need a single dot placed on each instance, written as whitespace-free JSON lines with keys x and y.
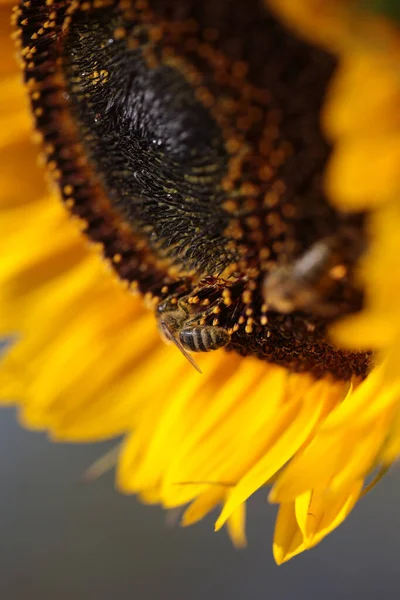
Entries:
{"x":170,"y":336}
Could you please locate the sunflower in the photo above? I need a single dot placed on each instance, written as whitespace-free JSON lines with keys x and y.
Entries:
{"x":229,"y":178}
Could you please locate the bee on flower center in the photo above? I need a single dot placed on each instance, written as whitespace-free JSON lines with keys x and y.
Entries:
{"x":187,"y":333}
{"x":306,"y":282}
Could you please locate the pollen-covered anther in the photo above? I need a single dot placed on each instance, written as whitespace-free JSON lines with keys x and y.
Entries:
{"x":338,"y":272}
{"x":247,"y":296}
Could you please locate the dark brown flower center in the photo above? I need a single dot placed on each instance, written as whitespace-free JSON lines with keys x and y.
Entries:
{"x":185,"y":133}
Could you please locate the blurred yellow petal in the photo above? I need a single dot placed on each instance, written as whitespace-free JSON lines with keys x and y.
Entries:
{"x":363,"y":172}
{"x":350,"y":113}
{"x":209,"y":496}
{"x":18,"y":114}
{"x":332,"y":460}
{"x":236,"y":526}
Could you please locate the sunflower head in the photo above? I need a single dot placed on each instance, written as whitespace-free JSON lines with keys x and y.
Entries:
{"x":211,"y":154}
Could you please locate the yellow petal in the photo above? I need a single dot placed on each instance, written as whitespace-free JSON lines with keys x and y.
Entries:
{"x":332,"y":461}
{"x":207,"y":500}
{"x":365,"y":402}
{"x":292,"y":428}
{"x":349,"y":112}
{"x":288,"y":539}
{"x":236,"y":526}
{"x":318,"y":512}
{"x":363,"y":172}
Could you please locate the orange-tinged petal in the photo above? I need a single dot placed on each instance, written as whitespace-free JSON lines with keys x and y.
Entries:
{"x":30,"y":185}
{"x":320,"y":21}
{"x":8,"y":62}
{"x":340,"y":26}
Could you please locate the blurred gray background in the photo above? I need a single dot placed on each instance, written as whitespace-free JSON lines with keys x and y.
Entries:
{"x":64,"y":541}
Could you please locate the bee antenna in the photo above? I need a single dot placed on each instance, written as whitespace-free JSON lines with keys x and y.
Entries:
{"x":101,"y":465}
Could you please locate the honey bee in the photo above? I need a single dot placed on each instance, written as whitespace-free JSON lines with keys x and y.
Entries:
{"x":304,"y":284}
{"x":178,"y":327}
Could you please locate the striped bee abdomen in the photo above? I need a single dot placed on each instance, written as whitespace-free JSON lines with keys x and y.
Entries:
{"x":204,"y":339}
